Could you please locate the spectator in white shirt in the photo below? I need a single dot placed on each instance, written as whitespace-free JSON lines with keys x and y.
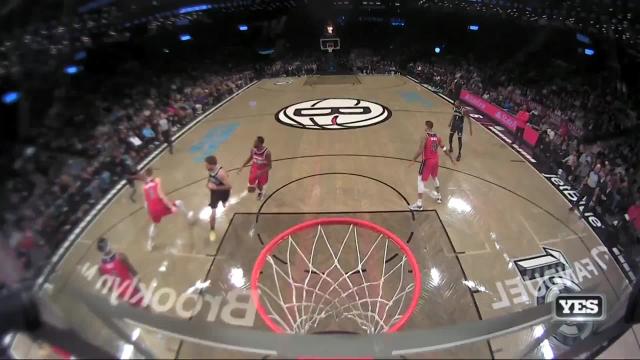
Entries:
{"x":588,"y":188}
{"x":165,"y":132}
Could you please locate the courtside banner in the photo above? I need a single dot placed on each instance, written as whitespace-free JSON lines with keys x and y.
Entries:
{"x":497,"y":114}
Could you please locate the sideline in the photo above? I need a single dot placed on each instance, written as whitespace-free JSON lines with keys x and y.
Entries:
{"x":107,"y":200}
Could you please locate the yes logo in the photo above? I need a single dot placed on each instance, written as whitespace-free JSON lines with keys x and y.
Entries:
{"x":579,"y":307}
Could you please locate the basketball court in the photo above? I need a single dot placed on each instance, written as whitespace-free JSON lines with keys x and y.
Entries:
{"x":480,"y":252}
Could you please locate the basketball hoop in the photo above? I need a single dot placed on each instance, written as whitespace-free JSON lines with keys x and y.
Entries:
{"x":303,"y":282}
{"x":330,"y":47}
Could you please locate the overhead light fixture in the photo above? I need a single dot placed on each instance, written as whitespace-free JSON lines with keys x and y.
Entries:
{"x":10,"y":97}
{"x":71,"y":69}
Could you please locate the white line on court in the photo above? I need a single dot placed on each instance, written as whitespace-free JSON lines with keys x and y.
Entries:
{"x":570,"y":237}
{"x":529,"y":229}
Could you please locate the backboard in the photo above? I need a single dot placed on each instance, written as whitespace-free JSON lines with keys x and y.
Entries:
{"x":330,"y":44}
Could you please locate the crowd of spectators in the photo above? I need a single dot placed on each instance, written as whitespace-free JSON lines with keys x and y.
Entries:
{"x":63,"y":175}
{"x":302,"y":66}
{"x":368,"y":65}
{"x":586,"y":125}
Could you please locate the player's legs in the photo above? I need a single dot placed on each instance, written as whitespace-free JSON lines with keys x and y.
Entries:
{"x":451,"y":134}
{"x":429,"y":169}
{"x":153,"y":231}
{"x":436,"y":182}
{"x":212,"y":224}
{"x":253,"y":179}
{"x":217,"y":198}
{"x":459,"y":144}
{"x":183,"y":209}
{"x":261,"y":184}
{"x":156,"y":212}
{"x":213,"y":204}
{"x":421,"y":173}
{"x":418,"y":204}
{"x":132,"y":185}
{"x":433,"y":172}
{"x":166,"y":136}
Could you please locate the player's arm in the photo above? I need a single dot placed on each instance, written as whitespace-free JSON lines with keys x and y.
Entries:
{"x":267,"y":158}
{"x":451,"y":120}
{"x":226,"y":185}
{"x":162,"y":196}
{"x":210,"y":185}
{"x":245,"y":163}
{"x":419,"y":151}
{"x":466,"y":115}
{"x":444,"y":149}
{"x":127,"y":263}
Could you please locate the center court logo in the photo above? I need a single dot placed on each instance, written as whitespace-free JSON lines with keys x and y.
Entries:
{"x":283,"y":82}
{"x":333,"y":114}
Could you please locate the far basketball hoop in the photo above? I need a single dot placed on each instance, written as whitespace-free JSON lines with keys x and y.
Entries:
{"x":330,"y":44}
{"x":330,"y":47}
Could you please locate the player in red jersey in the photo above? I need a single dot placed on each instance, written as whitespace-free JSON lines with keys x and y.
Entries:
{"x":118,"y":266}
{"x":158,"y":205}
{"x":260,"y":158}
{"x":430,"y":162}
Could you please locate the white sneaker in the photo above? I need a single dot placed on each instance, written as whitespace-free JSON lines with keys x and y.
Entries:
{"x":439,"y":199}
{"x":415,"y":206}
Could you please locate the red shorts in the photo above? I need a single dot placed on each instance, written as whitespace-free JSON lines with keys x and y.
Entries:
{"x":131,"y":292}
{"x":134,"y":294}
{"x":157,"y":211}
{"x":429,"y":168}
{"x":258,"y":180}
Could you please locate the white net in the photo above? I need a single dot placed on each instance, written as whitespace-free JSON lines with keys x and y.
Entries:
{"x":334,"y":277}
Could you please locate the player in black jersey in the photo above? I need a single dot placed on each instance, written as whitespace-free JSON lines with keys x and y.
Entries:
{"x":457,"y":126}
{"x":220,"y":188}
{"x":456,"y":88}
{"x":130,"y":175}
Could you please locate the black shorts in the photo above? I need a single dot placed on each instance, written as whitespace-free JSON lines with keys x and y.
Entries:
{"x":219,"y":196}
{"x":457,"y":128}
{"x":455,"y":94}
{"x":131,"y":179}
{"x":166,"y":136}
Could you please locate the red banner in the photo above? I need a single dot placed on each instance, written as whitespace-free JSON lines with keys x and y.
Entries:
{"x":498,"y":114}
